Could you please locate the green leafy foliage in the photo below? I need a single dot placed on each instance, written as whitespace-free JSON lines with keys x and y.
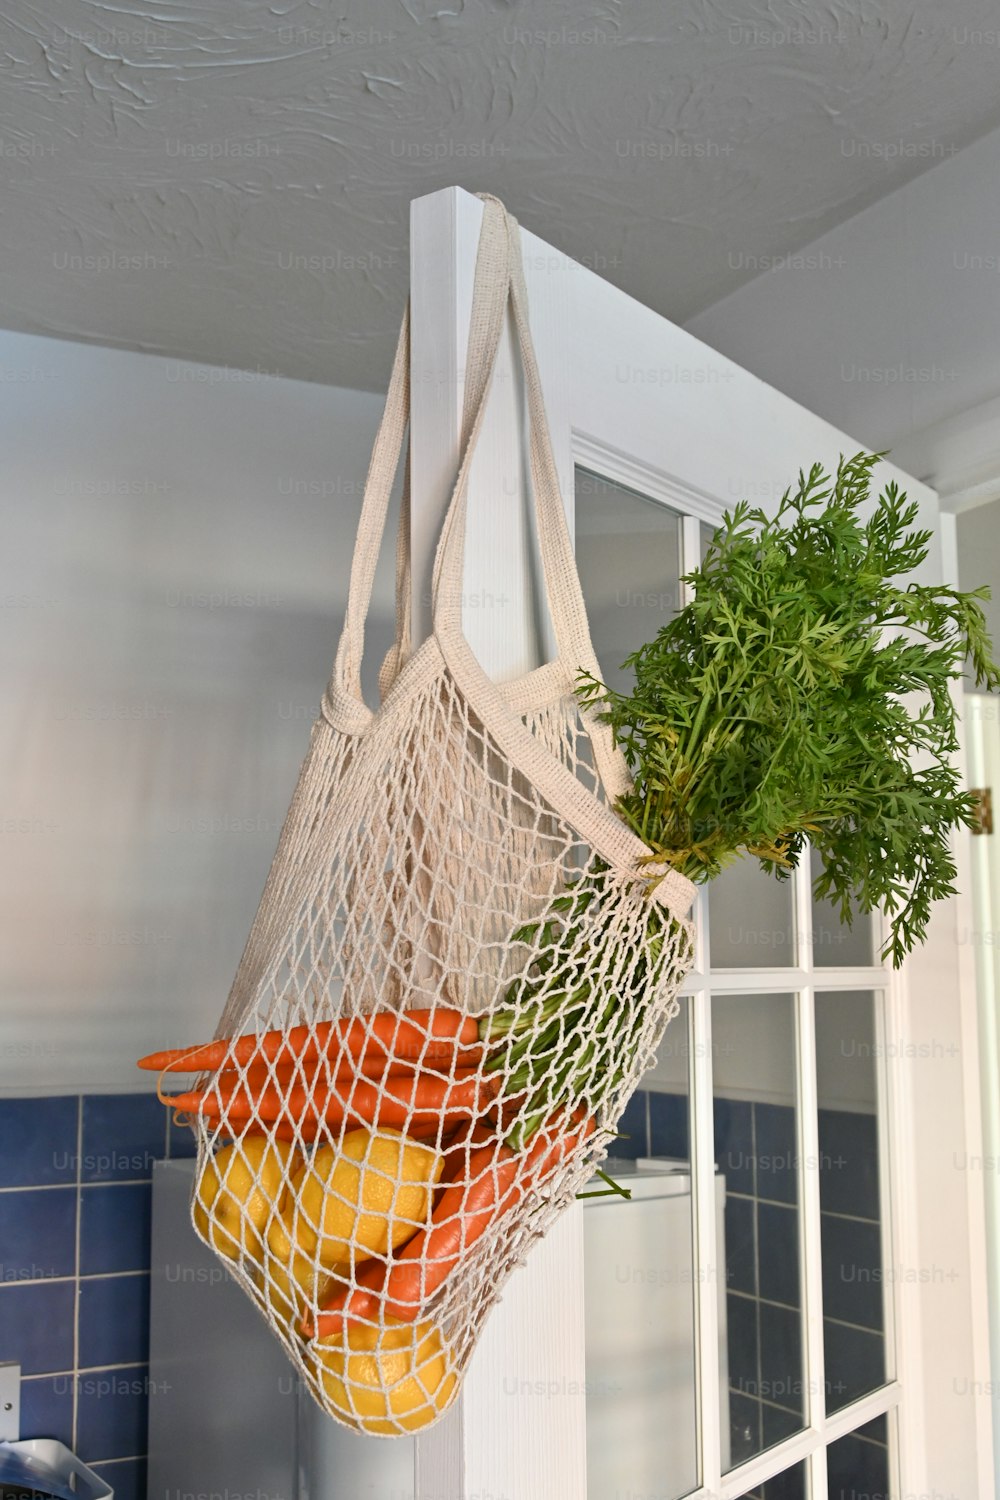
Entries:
{"x":804,"y":695}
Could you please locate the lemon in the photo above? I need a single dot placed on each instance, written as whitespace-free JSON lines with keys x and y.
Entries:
{"x":291,"y":1280}
{"x":384,"y":1380}
{"x":237,"y":1191}
{"x":357,"y":1199}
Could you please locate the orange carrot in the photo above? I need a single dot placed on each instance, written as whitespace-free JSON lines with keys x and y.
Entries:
{"x":416,"y":1100}
{"x":307,"y":1132}
{"x":415,"y":1035}
{"x":458,"y":1150}
{"x":314,"y":1073}
{"x":496,"y":1181}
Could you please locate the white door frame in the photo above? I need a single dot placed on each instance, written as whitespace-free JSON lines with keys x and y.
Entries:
{"x":518,"y":1430}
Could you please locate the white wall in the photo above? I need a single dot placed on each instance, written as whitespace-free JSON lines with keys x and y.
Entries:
{"x":978,"y":537}
{"x":890,"y":323}
{"x":175,"y":556}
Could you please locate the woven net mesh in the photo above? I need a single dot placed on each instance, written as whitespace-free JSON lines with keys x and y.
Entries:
{"x":457,"y":975}
{"x":433,"y":1035}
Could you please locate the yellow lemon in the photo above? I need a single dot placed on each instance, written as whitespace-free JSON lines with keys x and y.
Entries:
{"x":237,"y":1192}
{"x":386,"y":1379}
{"x":354,"y":1200}
{"x":291,"y":1280}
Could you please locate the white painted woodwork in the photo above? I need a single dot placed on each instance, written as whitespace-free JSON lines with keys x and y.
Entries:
{"x":645,"y":403}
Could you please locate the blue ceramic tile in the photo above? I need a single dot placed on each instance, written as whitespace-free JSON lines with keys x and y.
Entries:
{"x":734,"y":1143}
{"x":182,"y":1139}
{"x":37,"y":1233}
{"x":112,"y":1413}
{"x":39,"y":1141}
{"x":114,"y":1321}
{"x":123,"y":1134}
{"x":778,"y":1253}
{"x":36,"y":1325}
{"x":47,"y":1408}
{"x":855,"y":1363}
{"x":852,"y":1271}
{"x":668,"y":1125}
{"x":741,"y":1246}
{"x":744,"y":1428}
{"x":114,"y":1228}
{"x":848,"y":1163}
{"x":855,"y":1467}
{"x":781,"y":1356}
{"x":127,"y":1478}
{"x":777,"y":1152}
{"x":741,"y":1321}
{"x":632,"y":1140}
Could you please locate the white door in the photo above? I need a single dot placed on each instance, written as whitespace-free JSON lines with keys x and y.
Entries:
{"x":840,"y":1101}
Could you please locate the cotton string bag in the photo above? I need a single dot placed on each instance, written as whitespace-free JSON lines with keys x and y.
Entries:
{"x":460,"y":968}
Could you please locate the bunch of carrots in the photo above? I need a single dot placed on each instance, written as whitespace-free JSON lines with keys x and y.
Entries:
{"x":422,"y":1072}
{"x":506,"y":1095}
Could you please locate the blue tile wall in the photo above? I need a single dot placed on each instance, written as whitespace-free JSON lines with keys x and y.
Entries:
{"x":39,"y":1141}
{"x":127,"y":1478}
{"x":115,"y":1227}
{"x":37,"y":1234}
{"x":633,"y":1129}
{"x":47,"y":1407}
{"x":756,"y":1148}
{"x":75,"y":1195}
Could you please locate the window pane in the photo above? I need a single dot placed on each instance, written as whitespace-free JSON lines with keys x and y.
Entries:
{"x":835,"y":945}
{"x":628,"y":555}
{"x":854,"y":1281}
{"x":858,"y":1464}
{"x":751,"y":923}
{"x":756,"y":1148}
{"x":790,"y":1485}
{"x":639,"y":1306}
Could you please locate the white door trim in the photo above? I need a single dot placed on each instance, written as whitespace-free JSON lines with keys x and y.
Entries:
{"x":937,"y":1211}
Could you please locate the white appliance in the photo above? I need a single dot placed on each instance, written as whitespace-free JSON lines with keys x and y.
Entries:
{"x":227,"y":1415}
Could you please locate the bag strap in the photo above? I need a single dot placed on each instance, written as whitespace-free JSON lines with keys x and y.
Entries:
{"x":499,"y":282}
{"x":345,"y":679}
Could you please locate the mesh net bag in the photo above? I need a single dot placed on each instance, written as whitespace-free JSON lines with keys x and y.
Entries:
{"x":460,"y":968}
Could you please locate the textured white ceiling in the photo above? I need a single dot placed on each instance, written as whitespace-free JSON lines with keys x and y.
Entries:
{"x":229,"y":182}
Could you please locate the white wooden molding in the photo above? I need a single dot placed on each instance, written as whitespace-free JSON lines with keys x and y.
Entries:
{"x":647,"y":404}
{"x":519,"y":1427}
{"x":959,"y":457}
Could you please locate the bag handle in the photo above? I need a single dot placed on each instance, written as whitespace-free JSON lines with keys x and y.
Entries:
{"x":345,"y":680}
{"x":500,"y":282}
{"x":487,"y":321}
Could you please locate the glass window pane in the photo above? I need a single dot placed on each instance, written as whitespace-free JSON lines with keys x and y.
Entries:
{"x":854,"y":1282}
{"x":705,"y":534}
{"x":628,"y":555}
{"x":858,"y":1464}
{"x":756,"y":1149}
{"x":640,"y":1278}
{"x":792,"y":1484}
{"x":751,"y":922}
{"x":835,"y":945}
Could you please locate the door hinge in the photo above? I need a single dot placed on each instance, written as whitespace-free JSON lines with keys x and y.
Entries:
{"x":984,"y":809}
